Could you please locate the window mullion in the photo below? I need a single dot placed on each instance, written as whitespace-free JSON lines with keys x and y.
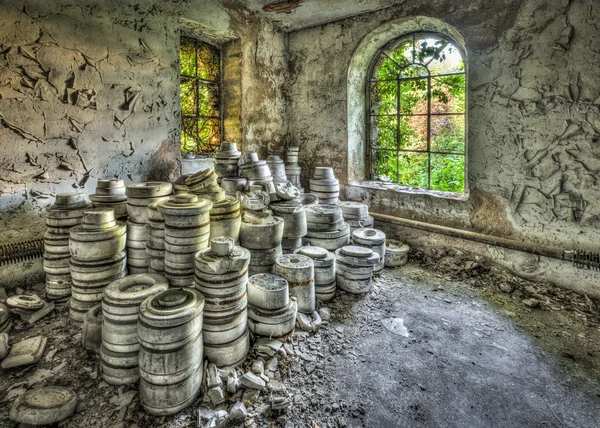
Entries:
{"x":429,"y":131}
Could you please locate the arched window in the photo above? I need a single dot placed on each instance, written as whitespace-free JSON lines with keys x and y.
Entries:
{"x":416,"y":113}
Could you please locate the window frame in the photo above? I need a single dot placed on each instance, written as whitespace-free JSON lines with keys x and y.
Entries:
{"x":198,"y":80}
{"x":371,"y":80}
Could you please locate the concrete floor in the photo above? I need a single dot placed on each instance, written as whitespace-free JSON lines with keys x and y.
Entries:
{"x":462,"y":364}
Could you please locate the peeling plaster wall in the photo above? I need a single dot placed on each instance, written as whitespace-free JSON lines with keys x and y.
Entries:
{"x":90,"y":89}
{"x":533,"y":119}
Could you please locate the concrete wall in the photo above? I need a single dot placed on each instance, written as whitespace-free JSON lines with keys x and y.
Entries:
{"x":533,"y":118}
{"x":90,"y":89}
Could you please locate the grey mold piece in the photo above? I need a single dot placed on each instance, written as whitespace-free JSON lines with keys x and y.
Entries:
{"x":250,"y":380}
{"x":43,"y":406}
{"x":91,"y":334}
{"x":26,"y":352}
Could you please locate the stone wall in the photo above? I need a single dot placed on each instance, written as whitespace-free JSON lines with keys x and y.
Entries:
{"x":533,"y":118}
{"x":89,"y":90}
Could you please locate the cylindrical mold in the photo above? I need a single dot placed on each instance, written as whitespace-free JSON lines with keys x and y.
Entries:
{"x":299,"y":272}
{"x":325,"y":271}
{"x":170,"y":354}
{"x":262,"y":236}
{"x":396,"y":254}
{"x":267,"y":291}
{"x":354,"y":268}
{"x":226,"y":218}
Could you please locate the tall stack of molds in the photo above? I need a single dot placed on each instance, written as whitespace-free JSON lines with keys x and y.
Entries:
{"x":271,"y":311}
{"x":98,"y":258}
{"x":171,"y":351}
{"x":226,"y":218}
{"x":293,"y":170}
{"x":325,"y":185}
{"x":66,"y":213}
{"x":139,"y":196}
{"x":187,"y":230}
{"x":292,"y":210}
{"x":221,"y":277}
{"x":120,"y":309}
{"x":277,"y":168}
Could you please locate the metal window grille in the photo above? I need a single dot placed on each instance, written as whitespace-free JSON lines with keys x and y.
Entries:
{"x":200,"y":96}
{"x":415,"y":70}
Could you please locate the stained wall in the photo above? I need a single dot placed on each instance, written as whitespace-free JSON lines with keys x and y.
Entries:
{"x":90,"y":89}
{"x":533,"y":117}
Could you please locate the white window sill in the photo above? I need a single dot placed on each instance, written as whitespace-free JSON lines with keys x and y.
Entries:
{"x":408,"y":190}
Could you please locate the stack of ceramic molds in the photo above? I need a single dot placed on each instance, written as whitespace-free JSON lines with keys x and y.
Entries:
{"x":326,"y":227}
{"x":226,"y":218}
{"x":299,"y":272}
{"x":325,"y":185}
{"x":221,"y":277}
{"x":187,"y":229}
{"x":204,"y":185}
{"x":97,"y":258}
{"x":324,"y":271}
{"x":293,"y":171}
{"x":110,"y":193}
{"x":120,"y":309}
{"x":155,"y":245}
{"x":139,"y":196}
{"x":289,"y":207}
{"x":180,"y":186}
{"x":60,"y":218}
{"x":233,"y":185}
{"x":277,"y":168}
{"x":271,"y":312}
{"x":170,"y":354}
{"x":261,"y":233}
{"x":356,"y":214}
{"x":354,"y":268}
{"x":375,"y":240}
{"x":226,"y":163}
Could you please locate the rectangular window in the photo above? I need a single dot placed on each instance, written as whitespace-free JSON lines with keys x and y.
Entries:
{"x":200,"y":96}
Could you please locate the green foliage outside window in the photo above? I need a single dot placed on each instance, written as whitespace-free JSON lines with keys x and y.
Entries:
{"x":199,"y":94}
{"x":417,"y":114}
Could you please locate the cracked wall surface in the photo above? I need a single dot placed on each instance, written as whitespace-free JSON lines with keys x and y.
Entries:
{"x":533,"y":118}
{"x":90,"y":89}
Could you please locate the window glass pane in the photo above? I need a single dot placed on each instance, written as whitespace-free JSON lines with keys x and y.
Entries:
{"x":385,"y":165}
{"x":187,"y":57}
{"x":413,"y":132}
{"x":447,"y":61}
{"x":383,"y":97}
{"x":384,"y":131}
{"x":448,"y":133}
{"x":385,"y":69}
{"x":209,"y":134}
{"x":412,"y":169}
{"x":209,"y":99}
{"x":189,"y":132}
{"x":208,"y":62}
{"x":448,"y":94}
{"x":187,"y":96}
{"x":448,"y":173}
{"x":413,"y":96}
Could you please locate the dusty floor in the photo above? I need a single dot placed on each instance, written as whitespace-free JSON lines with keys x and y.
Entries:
{"x":469,"y":356}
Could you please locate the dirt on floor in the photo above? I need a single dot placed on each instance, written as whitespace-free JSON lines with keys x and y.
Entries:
{"x":563,"y":323}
